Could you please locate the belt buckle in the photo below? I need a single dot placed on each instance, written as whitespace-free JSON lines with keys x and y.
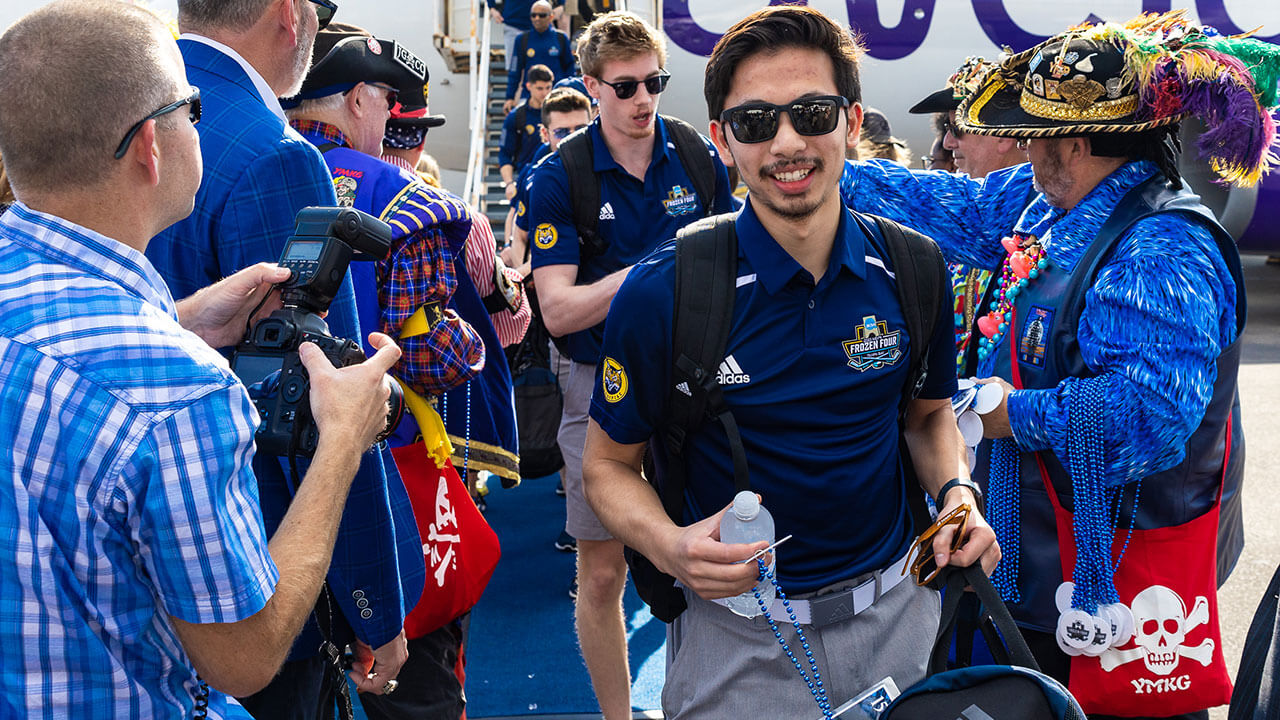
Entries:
{"x":831,"y":609}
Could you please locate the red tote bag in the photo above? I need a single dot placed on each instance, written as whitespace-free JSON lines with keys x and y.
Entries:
{"x":1173,"y":664}
{"x":460,"y":549}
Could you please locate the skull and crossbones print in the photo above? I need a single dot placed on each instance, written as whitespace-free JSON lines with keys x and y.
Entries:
{"x":1161,"y":627}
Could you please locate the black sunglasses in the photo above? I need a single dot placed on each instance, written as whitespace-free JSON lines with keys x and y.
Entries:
{"x":653,"y":85}
{"x":324,"y":11}
{"x":393,"y":95}
{"x":193,"y":113}
{"x":758,"y":122}
{"x":539,"y":16}
{"x":950,"y":127}
{"x":564,"y":132}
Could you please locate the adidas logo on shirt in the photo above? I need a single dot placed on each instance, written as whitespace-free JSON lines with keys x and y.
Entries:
{"x":684,"y":388}
{"x":730,"y":373}
{"x":606,"y":211}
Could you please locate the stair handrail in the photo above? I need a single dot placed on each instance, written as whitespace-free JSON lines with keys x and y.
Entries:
{"x":478,"y":82}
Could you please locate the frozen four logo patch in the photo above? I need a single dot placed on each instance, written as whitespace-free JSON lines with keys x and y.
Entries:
{"x":680,"y":201}
{"x":873,"y":347}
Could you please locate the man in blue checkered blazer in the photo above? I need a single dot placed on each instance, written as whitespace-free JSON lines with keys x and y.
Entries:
{"x":257,"y":174}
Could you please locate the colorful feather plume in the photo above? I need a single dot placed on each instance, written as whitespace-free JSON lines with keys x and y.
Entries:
{"x":1229,"y":82}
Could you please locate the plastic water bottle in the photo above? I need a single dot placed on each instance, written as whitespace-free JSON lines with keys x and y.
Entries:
{"x":748,"y":522}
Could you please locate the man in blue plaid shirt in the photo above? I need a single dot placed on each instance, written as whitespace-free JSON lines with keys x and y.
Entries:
{"x":137,"y":578}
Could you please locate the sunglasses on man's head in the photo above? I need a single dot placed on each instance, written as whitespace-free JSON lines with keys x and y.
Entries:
{"x":625,"y":89}
{"x":193,"y":114}
{"x":324,"y":11}
{"x":758,"y":122}
{"x":561,"y":133}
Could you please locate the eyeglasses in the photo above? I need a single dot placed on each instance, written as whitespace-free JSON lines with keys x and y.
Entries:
{"x":539,"y":15}
{"x":924,"y":567}
{"x":758,"y":122}
{"x":324,"y":11}
{"x":949,"y":126}
{"x":627,"y":88}
{"x":393,"y":95}
{"x":193,"y":113}
{"x":561,"y":133}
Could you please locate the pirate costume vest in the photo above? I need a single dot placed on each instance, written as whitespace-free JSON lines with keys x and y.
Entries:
{"x":1043,"y":338}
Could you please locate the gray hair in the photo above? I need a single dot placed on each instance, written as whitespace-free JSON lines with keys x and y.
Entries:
{"x":74,"y":76}
{"x":220,"y":14}
{"x":317,"y":106}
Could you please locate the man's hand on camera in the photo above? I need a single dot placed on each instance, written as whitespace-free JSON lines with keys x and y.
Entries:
{"x":382,"y":664}
{"x":350,"y":403}
{"x":219,"y":313}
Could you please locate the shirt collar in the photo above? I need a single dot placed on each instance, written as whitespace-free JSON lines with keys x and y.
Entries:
{"x":260,"y":83}
{"x":602,"y":159}
{"x":320,"y":133}
{"x":774,"y":267}
{"x":90,"y":252}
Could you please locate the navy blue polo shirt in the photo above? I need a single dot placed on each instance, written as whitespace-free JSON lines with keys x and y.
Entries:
{"x":635,"y":216}
{"x":815,"y":403}
{"x":550,"y":47}
{"x":520,"y":140}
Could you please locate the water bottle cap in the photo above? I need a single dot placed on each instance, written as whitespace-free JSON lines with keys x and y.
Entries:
{"x":746,"y":505}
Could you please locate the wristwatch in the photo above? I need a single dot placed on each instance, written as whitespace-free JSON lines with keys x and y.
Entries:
{"x":961,"y":482}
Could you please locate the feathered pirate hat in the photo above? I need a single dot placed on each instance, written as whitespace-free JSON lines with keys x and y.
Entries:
{"x":961,"y":83}
{"x":1144,"y":74}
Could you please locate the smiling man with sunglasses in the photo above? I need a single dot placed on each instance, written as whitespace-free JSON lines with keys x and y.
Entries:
{"x":258,"y":173}
{"x":646,"y":168}
{"x":816,"y":367}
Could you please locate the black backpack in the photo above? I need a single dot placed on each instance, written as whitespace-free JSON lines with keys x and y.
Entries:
{"x":578,"y":156}
{"x":705,"y":285}
{"x":1013,"y":689}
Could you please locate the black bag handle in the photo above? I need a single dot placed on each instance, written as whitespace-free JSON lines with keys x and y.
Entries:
{"x":1256,"y":695}
{"x":1018,"y":651}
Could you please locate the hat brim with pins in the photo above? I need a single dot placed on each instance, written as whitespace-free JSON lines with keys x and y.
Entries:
{"x":1148,"y":73}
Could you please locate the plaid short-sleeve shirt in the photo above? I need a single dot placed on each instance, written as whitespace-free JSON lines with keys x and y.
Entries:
{"x":127,"y":496}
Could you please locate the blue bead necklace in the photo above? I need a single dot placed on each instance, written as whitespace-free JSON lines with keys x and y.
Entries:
{"x":1093,"y":524}
{"x":815,"y":682}
{"x":1004,"y":515}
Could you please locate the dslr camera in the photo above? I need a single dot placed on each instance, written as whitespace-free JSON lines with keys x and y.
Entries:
{"x":323,"y":244}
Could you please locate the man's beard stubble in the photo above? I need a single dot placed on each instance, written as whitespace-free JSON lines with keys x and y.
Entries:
{"x":301,"y":62}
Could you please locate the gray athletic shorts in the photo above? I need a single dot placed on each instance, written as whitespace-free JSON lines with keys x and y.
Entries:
{"x":580,"y":521}
{"x":722,"y":665}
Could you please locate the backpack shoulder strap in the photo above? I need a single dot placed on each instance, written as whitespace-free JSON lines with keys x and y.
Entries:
{"x":922,"y":284}
{"x":696,"y":160}
{"x":578,"y":157}
{"x":705,"y":285}
{"x":921,"y":276}
{"x":524,"y":44}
